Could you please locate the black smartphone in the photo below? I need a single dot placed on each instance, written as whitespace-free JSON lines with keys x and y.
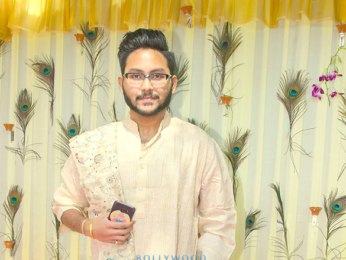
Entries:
{"x":121,"y":212}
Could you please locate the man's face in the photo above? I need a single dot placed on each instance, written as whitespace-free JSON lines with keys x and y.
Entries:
{"x":147,"y":100}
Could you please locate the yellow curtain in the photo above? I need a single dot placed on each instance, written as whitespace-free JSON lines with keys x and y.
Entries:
{"x":5,"y":6}
{"x":62,"y":15}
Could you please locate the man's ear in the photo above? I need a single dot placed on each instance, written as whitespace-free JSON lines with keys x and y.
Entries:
{"x":175,"y":82}
{"x":120,"y":83}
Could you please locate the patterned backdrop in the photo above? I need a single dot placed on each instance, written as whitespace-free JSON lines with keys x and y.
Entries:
{"x":288,"y":164}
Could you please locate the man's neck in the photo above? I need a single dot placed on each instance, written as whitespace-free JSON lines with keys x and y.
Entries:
{"x":147,"y":125}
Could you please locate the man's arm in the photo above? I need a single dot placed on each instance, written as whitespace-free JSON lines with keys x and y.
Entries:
{"x":217,"y":213}
{"x":70,"y":195}
{"x":70,"y":201}
{"x":73,"y":219}
{"x":102,"y":229}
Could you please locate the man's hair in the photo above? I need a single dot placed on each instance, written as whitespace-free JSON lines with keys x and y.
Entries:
{"x":145,"y":39}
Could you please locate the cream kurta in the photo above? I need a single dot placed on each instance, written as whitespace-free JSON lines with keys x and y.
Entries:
{"x":179,"y":184}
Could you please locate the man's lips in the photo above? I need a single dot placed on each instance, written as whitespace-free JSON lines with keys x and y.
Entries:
{"x":147,"y":98}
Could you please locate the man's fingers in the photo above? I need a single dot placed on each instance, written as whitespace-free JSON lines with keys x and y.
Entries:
{"x":121,"y":239}
{"x":121,"y":225}
{"x":109,"y":231}
{"x":120,"y":232}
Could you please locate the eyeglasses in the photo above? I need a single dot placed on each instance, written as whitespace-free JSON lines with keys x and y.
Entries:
{"x":156,"y":79}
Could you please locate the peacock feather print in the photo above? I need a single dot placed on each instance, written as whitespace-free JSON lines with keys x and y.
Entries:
{"x":55,"y":249}
{"x":281,"y":246}
{"x":44,"y":71}
{"x":2,"y":47}
{"x":180,"y":71}
{"x":203,"y":125}
{"x":113,"y":113}
{"x":72,"y":129}
{"x":335,"y":209}
{"x":236,"y":153}
{"x":253,"y":222}
{"x":11,"y":206}
{"x":342,"y":112}
{"x":291,"y":94}
{"x":2,"y":52}
{"x":24,"y":111}
{"x":225,"y":44}
{"x":94,"y":44}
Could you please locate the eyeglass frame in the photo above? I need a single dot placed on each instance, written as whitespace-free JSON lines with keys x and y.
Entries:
{"x":168,"y":76}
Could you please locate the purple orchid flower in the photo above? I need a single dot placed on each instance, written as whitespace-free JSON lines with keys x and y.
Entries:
{"x":331,"y":77}
{"x":323,"y":78}
{"x":337,"y":74}
{"x":334,"y":93}
{"x":317,"y":91}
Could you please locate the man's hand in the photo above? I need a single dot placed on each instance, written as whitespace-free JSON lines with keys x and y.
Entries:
{"x":107,"y":231}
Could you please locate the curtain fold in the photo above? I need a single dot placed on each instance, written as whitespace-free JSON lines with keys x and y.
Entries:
{"x":5,"y":6}
{"x":78,"y":13}
{"x":61,"y":16}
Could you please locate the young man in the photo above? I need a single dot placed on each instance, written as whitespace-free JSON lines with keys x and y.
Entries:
{"x":171,"y":171}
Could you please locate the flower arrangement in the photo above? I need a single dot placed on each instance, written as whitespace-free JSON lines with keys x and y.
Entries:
{"x":324,"y":87}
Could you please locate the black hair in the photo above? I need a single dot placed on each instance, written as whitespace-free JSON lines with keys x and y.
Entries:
{"x":146,"y":39}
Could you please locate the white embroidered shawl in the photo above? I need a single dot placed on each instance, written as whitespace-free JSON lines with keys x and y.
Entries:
{"x":95,"y":155}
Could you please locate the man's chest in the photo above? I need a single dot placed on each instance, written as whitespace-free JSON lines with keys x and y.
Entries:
{"x":166,"y":174}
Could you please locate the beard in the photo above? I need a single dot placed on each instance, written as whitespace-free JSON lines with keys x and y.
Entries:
{"x":156,"y":110}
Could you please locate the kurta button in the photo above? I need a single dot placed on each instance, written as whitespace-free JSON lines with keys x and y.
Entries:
{"x":140,"y":188}
{"x":142,"y":166}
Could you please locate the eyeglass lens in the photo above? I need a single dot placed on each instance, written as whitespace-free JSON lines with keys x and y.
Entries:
{"x":157,"y":80}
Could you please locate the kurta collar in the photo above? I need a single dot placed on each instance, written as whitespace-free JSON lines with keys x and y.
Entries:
{"x":133,"y":127}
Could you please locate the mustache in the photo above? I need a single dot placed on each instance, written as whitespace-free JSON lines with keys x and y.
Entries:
{"x":147,"y":94}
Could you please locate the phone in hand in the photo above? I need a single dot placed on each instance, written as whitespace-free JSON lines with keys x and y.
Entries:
{"x":121,"y":212}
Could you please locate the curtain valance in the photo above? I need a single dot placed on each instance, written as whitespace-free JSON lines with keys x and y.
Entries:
{"x":119,"y":15}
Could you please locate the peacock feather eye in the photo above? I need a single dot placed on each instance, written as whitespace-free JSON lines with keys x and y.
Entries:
{"x":236,"y":149}
{"x":46,"y":71}
{"x":224,"y":45}
{"x":293,"y":91}
{"x":250,"y":221}
{"x":25,"y":106}
{"x":336,"y":207}
{"x":14,"y":200}
{"x":72,"y":131}
{"x":91,"y":34}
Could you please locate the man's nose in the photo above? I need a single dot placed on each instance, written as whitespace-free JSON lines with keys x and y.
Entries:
{"x":146,"y":85}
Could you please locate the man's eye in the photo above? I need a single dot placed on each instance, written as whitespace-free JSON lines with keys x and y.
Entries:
{"x":158,"y":76}
{"x":135,"y":76}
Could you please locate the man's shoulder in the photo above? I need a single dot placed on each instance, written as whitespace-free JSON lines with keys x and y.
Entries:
{"x":191,"y":131}
{"x":96,"y":134}
{"x":194,"y":138}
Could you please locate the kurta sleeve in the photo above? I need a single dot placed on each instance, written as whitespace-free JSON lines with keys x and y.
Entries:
{"x":70,"y":195}
{"x":218,"y":216}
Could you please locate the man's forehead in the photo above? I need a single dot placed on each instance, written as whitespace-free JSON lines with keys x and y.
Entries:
{"x":146,"y":57}
{"x":146,"y":52}
{"x":152,"y":70}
